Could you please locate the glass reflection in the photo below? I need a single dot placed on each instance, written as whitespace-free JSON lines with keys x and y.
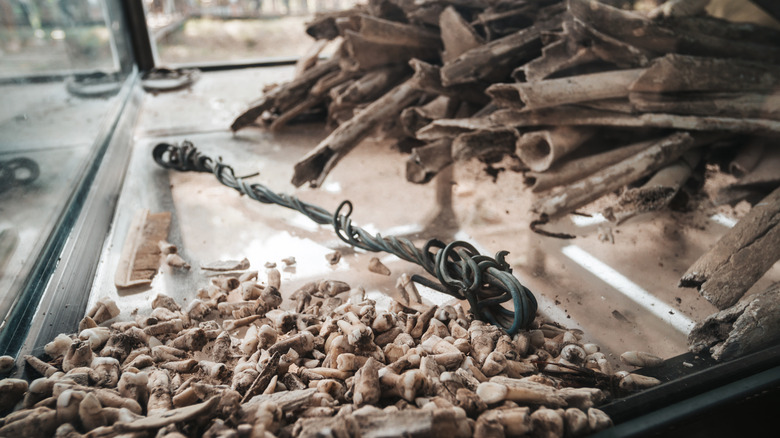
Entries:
{"x":62,"y":65}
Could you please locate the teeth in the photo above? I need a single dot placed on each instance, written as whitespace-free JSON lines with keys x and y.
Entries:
{"x":335,"y":353}
{"x":640,"y":359}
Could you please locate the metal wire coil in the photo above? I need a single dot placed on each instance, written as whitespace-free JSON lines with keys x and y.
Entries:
{"x":485,"y":282}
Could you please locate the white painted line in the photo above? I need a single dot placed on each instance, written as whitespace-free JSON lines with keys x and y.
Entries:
{"x":584,"y":221}
{"x":723,"y":220}
{"x":629,"y":288}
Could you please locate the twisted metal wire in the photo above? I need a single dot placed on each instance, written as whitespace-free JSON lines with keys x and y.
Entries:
{"x":485,"y":282}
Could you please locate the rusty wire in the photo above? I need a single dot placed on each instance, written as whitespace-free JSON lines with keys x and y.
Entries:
{"x":485,"y":282}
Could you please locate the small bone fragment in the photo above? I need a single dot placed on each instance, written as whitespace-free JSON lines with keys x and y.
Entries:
{"x":134,"y":386}
{"x":422,"y":322}
{"x":193,"y":339}
{"x":105,"y":371}
{"x":68,"y":405}
{"x":333,"y":257}
{"x":59,"y":346}
{"x":39,"y":389}
{"x":633,"y":382}
{"x":95,"y":337}
{"x":573,"y":353}
{"x":159,"y":392}
{"x":79,"y":354}
{"x":274,"y":278}
{"x":367,"y":388}
{"x":331,"y":288}
{"x":164,"y":301}
{"x":263,"y":378}
{"x":350,"y":362}
{"x":180,"y":366}
{"x":41,"y":420}
{"x":179,"y":415}
{"x":408,"y":290}
{"x":86,"y":323}
{"x":188,"y":397}
{"x":494,"y":364}
{"x":547,"y":422}
{"x":103,"y":310}
{"x":226,"y":265}
{"x":640,"y":359}
{"x":167,"y":353}
{"x":575,"y":422}
{"x":518,"y":390}
{"x":40,"y":366}
{"x":377,"y":267}
{"x":140,"y":257}
{"x":165,"y":327}
{"x":225,"y":283}
{"x":11,"y":392}
{"x":406,"y":385}
{"x":582,"y":398}
{"x":176,"y":261}
{"x":232,"y":324}
{"x":598,"y":420}
{"x":167,"y":247}
{"x":91,"y":412}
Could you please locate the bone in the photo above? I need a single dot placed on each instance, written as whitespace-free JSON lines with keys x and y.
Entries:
{"x":539,"y":150}
{"x":591,"y":188}
{"x":725,"y":272}
{"x":556,"y":92}
{"x":729,"y":334}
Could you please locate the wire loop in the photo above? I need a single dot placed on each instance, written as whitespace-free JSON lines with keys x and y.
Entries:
{"x":485,"y":282}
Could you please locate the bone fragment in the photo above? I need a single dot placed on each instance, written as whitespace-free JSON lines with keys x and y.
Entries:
{"x":140,"y":257}
{"x":725,"y":272}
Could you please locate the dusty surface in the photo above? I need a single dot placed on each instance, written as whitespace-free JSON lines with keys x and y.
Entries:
{"x":212,"y":222}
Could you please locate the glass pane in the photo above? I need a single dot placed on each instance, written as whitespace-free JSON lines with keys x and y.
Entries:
{"x":61,"y":70}
{"x":206,"y":31}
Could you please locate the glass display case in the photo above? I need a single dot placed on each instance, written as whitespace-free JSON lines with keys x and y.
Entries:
{"x":80,"y":121}
{"x":67,"y":75}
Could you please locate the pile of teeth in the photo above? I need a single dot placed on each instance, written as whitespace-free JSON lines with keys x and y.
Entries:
{"x":232,"y":363}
